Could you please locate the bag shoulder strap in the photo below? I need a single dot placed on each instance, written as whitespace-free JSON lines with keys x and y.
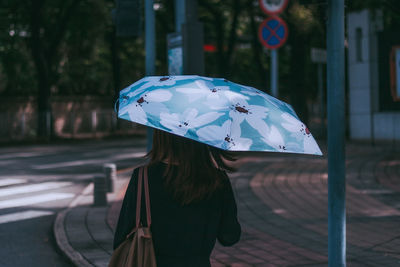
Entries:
{"x":139,"y":196}
{"x":143,"y":178}
{"x":147,"y":196}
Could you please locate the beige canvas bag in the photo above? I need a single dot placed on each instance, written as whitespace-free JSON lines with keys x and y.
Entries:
{"x":137,"y":249}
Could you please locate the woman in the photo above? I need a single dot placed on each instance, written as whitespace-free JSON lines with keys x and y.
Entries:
{"x":191,"y":199}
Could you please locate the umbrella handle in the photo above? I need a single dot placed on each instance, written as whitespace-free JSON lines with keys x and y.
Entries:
{"x":115,"y":105}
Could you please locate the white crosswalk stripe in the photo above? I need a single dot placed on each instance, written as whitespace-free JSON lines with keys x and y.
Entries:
{"x":23,"y":215}
{"x":28,"y":201}
{"x":87,"y":161}
{"x":33,"y":188}
{"x":11,"y":181}
{"x":16,"y":193}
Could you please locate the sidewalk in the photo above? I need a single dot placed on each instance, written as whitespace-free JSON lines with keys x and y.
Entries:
{"x":282,"y":202}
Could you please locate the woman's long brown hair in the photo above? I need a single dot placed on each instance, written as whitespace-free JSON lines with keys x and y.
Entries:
{"x":194,"y":169}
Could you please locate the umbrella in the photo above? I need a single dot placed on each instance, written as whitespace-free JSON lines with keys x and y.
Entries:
{"x":217,"y":112}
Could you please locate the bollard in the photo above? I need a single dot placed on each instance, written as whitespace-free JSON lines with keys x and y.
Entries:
{"x":110,"y":172}
{"x":100,"y":191}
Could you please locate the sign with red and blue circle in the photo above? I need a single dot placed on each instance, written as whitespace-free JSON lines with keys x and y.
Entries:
{"x":273,"y":32}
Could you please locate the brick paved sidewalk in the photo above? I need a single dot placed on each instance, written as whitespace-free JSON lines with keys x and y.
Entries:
{"x":282,"y":203}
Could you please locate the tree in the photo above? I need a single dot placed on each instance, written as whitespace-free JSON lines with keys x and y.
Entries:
{"x":66,"y":43}
{"x":306,"y":30}
{"x":68,"y":47}
{"x":221,"y":21}
{"x":16,"y":67}
{"x":44,"y":43}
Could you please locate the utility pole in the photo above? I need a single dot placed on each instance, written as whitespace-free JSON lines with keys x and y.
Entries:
{"x":193,"y":40}
{"x":179,"y":14}
{"x":336,"y":135}
{"x":150,"y":38}
{"x":185,"y":45}
{"x":150,"y":47}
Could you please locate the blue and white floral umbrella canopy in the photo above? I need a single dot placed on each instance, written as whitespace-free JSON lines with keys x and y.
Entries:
{"x":217,"y":112}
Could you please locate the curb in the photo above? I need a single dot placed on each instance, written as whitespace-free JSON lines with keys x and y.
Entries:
{"x":59,"y":231}
{"x":63,"y":243}
{"x":61,"y":236}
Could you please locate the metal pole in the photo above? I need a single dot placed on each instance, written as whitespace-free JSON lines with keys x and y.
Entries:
{"x":100,"y":191}
{"x":321,"y":95}
{"x":336,"y":135}
{"x":150,"y":39}
{"x":274,"y":72}
{"x":193,"y":40}
{"x":150,"y":46}
{"x":110,"y":174}
{"x":179,"y":14}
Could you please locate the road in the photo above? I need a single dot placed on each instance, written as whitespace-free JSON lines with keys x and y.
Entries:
{"x":37,"y":181}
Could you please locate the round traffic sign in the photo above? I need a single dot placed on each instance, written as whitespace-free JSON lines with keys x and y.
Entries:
{"x":273,"y":32}
{"x":273,"y":7}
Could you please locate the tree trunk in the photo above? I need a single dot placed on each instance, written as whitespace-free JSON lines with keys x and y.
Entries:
{"x":116,"y":69}
{"x":219,"y":25}
{"x":232,"y":37}
{"x":42,"y":71}
{"x":44,"y":54}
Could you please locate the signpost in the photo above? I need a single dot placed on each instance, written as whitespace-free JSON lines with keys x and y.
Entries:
{"x":318,"y":55}
{"x":272,"y":34}
{"x":273,"y":7}
{"x":175,"y":53}
{"x":395,"y":73}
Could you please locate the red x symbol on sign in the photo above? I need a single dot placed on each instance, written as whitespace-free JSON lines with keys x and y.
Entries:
{"x":273,"y":32}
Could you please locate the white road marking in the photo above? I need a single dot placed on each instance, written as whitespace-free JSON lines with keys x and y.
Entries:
{"x":130,"y":155}
{"x":11,"y":181}
{"x":22,"y":155}
{"x":23,"y":215}
{"x":32,"y":188}
{"x":87,"y":162}
{"x":66,"y":164}
{"x":52,"y":177}
{"x":87,"y":191}
{"x":27,"y":201}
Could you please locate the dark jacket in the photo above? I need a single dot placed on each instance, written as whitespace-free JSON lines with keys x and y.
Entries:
{"x":182,"y":235}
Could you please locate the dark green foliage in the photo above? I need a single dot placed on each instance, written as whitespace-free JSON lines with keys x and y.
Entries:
{"x":76,"y":47}
{"x":16,"y":66}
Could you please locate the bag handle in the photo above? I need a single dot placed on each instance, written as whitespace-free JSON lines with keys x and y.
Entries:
{"x":143,"y":174}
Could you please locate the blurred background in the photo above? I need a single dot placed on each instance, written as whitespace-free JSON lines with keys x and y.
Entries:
{"x":62,"y":63}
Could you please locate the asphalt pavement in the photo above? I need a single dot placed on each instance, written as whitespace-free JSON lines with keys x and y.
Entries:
{"x":282,"y":204}
{"x":37,"y":181}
